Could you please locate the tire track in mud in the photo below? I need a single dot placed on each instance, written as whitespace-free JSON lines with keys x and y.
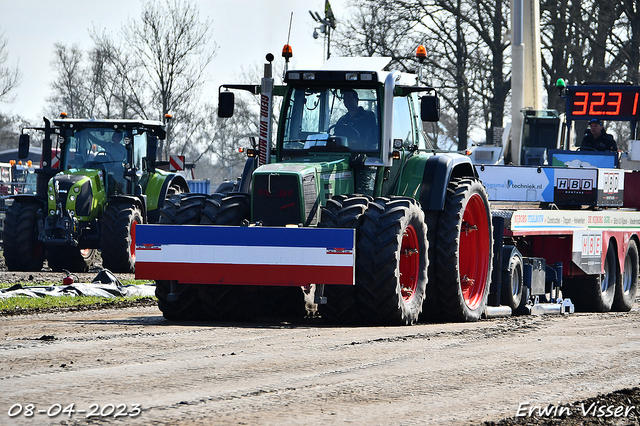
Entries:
{"x":300,"y":373}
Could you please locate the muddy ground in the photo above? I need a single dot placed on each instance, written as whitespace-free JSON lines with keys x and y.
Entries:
{"x":131,"y":366}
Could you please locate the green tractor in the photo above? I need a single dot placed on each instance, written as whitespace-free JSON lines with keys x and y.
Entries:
{"x":97,"y":181}
{"x":350,"y":153}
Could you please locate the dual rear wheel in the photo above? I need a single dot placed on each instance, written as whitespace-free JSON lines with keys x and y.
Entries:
{"x":613,"y":290}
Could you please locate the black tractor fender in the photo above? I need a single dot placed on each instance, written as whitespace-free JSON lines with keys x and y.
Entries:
{"x":172,"y":180}
{"x":243,"y":184}
{"x":438,"y":172}
{"x":247,"y":175}
{"x":28,"y":198}
{"x":31,"y":199}
{"x":138,"y":200}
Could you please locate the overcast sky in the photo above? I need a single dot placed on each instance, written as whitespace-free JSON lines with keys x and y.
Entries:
{"x":244,"y":31}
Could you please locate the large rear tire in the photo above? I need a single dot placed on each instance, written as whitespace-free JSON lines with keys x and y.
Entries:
{"x":342,"y":211}
{"x":72,"y":259}
{"x":118,"y":241}
{"x":392,"y":260}
{"x":463,"y":252}
{"x":627,"y":285}
{"x":22,"y":250}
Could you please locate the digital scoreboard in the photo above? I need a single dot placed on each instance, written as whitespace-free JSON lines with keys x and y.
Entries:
{"x":606,"y":102}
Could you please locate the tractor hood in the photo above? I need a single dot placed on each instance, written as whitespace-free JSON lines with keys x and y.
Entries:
{"x":292,"y":192}
{"x":78,"y":191}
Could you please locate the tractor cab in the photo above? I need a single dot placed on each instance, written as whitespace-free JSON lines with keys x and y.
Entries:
{"x":331,"y":119}
{"x":116,"y":148}
{"x":366,"y":113}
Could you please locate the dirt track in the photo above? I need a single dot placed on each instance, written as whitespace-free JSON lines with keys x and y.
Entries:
{"x":309,"y":373}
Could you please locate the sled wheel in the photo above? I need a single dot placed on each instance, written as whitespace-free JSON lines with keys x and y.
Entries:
{"x":464,"y":252}
{"x":342,"y":211}
{"x":118,"y":237}
{"x":512,"y":282}
{"x":22,"y":250}
{"x":391,"y":264}
{"x":72,"y":259}
{"x":595,"y":293}
{"x":185,"y":307}
{"x":627,"y":285}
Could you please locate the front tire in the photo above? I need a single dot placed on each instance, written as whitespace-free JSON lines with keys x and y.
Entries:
{"x":227,"y":302}
{"x":182,"y":209}
{"x":463,"y":252}
{"x":188,"y":306}
{"x":184,"y":303}
{"x":391,"y":264}
{"x":22,"y":250}
{"x":342,"y":211}
{"x":119,"y":237}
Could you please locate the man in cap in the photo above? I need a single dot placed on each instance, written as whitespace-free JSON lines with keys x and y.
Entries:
{"x":597,"y":138}
{"x":361,"y":122}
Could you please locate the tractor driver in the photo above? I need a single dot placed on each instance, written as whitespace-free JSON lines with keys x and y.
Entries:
{"x":116,"y":147}
{"x":358,"y":124}
{"x":597,"y":138}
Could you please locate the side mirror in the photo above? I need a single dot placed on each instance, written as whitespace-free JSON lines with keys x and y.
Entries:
{"x":225,"y":104}
{"x":152,"y":153}
{"x":23,"y":146}
{"x":430,"y":108}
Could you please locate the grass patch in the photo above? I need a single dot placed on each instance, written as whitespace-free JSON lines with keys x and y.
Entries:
{"x":22,"y":304}
{"x":29,"y":284}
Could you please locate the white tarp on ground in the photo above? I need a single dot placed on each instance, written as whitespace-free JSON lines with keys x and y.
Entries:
{"x":105,"y":284}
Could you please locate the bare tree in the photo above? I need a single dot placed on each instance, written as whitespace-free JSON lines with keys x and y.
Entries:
{"x":171,"y":44}
{"x":9,"y":76}
{"x":380,"y":28}
{"x":121,"y":83}
{"x":70,"y":92}
{"x":593,"y":40}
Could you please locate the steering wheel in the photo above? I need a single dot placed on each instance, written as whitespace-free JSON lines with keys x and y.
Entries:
{"x":586,"y":148}
{"x":108,"y":155}
{"x":348,"y":130}
{"x":99,"y":160}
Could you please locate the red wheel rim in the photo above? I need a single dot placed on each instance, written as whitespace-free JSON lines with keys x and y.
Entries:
{"x":132,"y":246}
{"x":409,"y":263}
{"x":475,"y":251}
